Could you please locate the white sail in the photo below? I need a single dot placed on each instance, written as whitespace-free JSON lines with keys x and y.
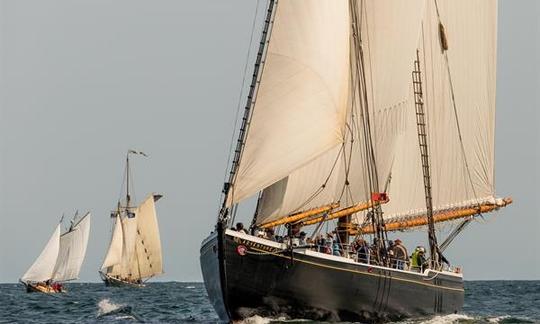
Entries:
{"x":43,"y":267}
{"x":147,"y":260}
{"x":72,"y":250}
{"x":390,"y":32}
{"x":301,"y":105}
{"x":462,"y":173}
{"x":129,"y":228}
{"x":135,"y":250}
{"x":311,"y":186}
{"x":114,"y":254}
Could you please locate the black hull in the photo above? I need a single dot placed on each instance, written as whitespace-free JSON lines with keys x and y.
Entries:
{"x":266,"y":281}
{"x":114,"y":282}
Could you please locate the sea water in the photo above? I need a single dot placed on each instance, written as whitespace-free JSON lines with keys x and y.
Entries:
{"x":178,"y":302}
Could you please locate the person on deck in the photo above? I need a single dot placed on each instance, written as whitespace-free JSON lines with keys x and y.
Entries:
{"x":329,"y":243}
{"x":240,"y":228}
{"x":270,"y":235}
{"x":362,"y":250}
{"x":400,"y":255}
{"x":302,"y":239}
{"x":418,"y":259}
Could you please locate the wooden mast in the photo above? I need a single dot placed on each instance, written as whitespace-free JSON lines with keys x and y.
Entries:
{"x":376,"y":213}
{"x":421,"y":122}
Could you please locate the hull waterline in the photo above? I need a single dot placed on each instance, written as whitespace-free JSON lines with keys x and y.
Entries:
{"x":115,"y":282}
{"x":245,"y":275}
{"x":42,"y":288}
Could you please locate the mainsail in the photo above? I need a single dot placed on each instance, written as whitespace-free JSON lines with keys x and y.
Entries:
{"x":62,"y":257}
{"x":135,"y":249}
{"x":72,"y":250}
{"x":305,"y":143}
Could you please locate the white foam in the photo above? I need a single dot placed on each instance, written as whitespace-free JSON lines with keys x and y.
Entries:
{"x":498,"y":319}
{"x":256,"y":320}
{"x":448,"y":319}
{"x":105,"y":306}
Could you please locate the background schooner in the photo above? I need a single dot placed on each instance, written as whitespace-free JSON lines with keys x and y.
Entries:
{"x":134,"y":253}
{"x":372,"y":116}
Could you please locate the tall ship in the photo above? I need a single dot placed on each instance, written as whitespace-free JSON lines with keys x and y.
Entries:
{"x":364,"y":118}
{"x":134,"y":253}
{"x":61,"y":258}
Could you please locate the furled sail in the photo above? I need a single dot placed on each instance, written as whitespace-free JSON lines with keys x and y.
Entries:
{"x":301,"y":104}
{"x":461,"y":141}
{"x":43,"y":268}
{"x":72,"y":250}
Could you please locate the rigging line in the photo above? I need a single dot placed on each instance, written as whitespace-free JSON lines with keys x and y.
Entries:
{"x":323,"y":186}
{"x":240,"y":95}
{"x":455,"y":233}
{"x":376,"y":211}
{"x":347,"y":163}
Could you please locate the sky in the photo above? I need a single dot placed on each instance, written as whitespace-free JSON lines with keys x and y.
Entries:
{"x":81,"y":82}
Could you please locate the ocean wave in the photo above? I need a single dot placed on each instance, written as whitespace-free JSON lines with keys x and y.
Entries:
{"x":256,"y":319}
{"x":507,"y":319}
{"x":105,"y":306}
{"x":449,"y":319}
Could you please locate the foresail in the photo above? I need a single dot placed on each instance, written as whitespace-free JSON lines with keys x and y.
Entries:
{"x":114,"y":253}
{"x":301,"y":105}
{"x":42,"y":269}
{"x":72,"y":250}
{"x":148,"y":259}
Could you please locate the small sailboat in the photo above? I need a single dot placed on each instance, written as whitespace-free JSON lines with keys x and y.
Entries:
{"x":134,"y":253}
{"x":60,"y":260}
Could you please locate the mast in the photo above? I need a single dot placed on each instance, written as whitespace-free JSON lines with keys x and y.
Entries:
{"x":253,"y":88}
{"x":128,"y":198}
{"x":424,"y":156}
{"x":376,"y":213}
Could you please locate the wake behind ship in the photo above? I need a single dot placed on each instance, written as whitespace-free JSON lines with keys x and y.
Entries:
{"x":363,"y":118}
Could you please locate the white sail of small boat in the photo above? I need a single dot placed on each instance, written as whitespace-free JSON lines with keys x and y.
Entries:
{"x":134,"y":253}
{"x":60,"y":260}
